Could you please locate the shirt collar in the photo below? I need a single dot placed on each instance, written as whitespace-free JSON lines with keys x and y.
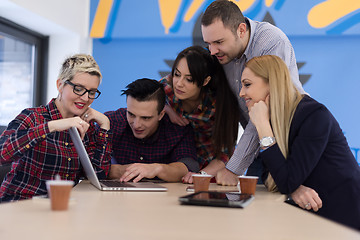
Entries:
{"x":53,"y":110}
{"x":251,"y":25}
{"x":208,"y":100}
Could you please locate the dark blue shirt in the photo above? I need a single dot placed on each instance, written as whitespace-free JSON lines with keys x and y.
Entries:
{"x":320,"y":158}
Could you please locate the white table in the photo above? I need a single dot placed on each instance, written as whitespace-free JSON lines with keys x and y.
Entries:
{"x":94,"y":214}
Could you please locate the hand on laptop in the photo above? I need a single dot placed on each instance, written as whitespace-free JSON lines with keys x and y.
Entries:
{"x":139,"y":171}
{"x":117,"y":170}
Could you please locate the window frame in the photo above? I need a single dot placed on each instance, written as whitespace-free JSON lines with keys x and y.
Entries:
{"x":41,"y":44}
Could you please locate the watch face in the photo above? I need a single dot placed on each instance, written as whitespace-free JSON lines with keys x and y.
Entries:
{"x":266,"y":141}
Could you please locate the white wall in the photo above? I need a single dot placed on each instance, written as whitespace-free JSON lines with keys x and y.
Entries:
{"x":66,"y":22}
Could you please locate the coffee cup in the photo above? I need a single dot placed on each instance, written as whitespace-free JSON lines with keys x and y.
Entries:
{"x":59,"y":193}
{"x":247,"y":184}
{"x":201,"y":182}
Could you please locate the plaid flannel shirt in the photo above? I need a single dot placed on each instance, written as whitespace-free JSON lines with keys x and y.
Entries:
{"x":201,"y":119}
{"x":38,"y":155}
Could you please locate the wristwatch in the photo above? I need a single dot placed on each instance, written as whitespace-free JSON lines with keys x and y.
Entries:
{"x":266,"y":142}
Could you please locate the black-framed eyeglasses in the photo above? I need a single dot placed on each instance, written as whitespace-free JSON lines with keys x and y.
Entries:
{"x":80,"y":91}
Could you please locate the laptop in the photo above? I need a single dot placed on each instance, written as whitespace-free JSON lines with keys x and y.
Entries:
{"x":108,"y":185}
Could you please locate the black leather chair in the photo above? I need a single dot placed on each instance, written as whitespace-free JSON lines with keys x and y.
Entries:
{"x":5,"y":168}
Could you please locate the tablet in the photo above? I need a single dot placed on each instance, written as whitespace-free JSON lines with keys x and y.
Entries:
{"x":218,"y":199}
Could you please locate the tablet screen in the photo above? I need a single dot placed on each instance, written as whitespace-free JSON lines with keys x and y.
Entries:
{"x":220,"y":199}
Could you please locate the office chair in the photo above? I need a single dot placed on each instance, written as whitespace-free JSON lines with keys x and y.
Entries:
{"x":4,"y":169}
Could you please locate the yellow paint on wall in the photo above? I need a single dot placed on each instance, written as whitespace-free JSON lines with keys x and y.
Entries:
{"x":195,"y":5}
{"x":327,"y":12}
{"x":268,"y":3}
{"x":168,"y":12}
{"x":244,"y":4}
{"x":169,"y":9}
{"x":101,"y":18}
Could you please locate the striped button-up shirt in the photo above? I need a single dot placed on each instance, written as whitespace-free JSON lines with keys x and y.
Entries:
{"x":38,"y":155}
{"x":265,"y":39}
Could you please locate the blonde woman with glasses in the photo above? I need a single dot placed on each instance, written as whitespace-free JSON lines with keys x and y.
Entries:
{"x":37,"y":141}
{"x":303,"y":149}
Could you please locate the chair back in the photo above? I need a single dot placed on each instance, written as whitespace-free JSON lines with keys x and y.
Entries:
{"x":5,"y":168}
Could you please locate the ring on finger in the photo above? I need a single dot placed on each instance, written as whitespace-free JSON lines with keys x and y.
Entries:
{"x":81,"y":122}
{"x":307,"y":205}
{"x":86,"y":115}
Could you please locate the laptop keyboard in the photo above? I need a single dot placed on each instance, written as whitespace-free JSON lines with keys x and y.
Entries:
{"x":110,"y":183}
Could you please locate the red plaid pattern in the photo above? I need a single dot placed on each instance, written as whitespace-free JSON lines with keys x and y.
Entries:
{"x":38,"y":155}
{"x":202,"y":120}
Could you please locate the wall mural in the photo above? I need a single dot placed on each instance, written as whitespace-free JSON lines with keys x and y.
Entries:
{"x":140,"y":38}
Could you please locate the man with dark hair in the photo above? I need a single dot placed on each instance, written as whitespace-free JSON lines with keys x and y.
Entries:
{"x":235,"y":39}
{"x":145,"y":143}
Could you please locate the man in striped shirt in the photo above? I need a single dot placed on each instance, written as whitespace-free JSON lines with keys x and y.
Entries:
{"x":234,"y":40}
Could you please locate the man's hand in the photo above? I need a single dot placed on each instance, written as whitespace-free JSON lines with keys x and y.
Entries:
{"x":117,"y":170}
{"x":140,"y":171}
{"x":307,"y":198}
{"x":226,"y":178}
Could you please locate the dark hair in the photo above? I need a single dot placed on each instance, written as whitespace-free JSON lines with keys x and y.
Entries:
{"x":200,"y":63}
{"x":146,"y":90}
{"x":227,"y":112}
{"x":226,"y":11}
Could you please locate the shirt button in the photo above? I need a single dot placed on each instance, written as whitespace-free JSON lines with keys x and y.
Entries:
{"x":43,"y":136}
{"x":101,"y":134}
{"x":67,"y":175}
{"x":106,"y":135}
{"x":104,"y":147}
{"x":69,"y":159}
{"x":141,"y":158}
{"x":237,"y":80}
{"x":66,"y":144}
{"x":27,"y":146}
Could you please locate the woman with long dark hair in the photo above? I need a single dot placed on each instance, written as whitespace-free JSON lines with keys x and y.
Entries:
{"x":198,"y":94}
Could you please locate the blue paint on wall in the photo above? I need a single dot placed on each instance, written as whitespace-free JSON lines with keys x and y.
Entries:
{"x":136,"y":46}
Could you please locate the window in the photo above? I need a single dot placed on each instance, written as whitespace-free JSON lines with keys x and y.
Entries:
{"x":23,"y":56}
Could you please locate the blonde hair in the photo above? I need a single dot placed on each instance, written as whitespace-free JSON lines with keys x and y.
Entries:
{"x":79,"y":63}
{"x":284,"y":98}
